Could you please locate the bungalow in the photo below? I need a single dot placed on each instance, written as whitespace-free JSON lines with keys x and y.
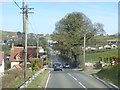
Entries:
{"x":17,"y":55}
{"x":1,"y":62}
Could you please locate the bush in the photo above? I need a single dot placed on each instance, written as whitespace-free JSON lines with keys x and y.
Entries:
{"x":36,"y":64}
{"x":36,"y":67}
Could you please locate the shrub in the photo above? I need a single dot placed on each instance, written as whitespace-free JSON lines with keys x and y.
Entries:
{"x":36,"y":64}
{"x":36,"y":67}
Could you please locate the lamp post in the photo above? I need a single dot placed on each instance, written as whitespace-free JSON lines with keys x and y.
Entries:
{"x":84,"y":51}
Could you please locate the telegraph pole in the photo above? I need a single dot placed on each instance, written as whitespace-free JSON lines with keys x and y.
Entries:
{"x":37,"y":46}
{"x":25,"y":12}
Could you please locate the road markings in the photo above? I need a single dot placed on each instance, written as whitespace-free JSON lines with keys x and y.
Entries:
{"x":77,"y":81}
{"x":47,"y":80}
{"x":72,"y":76}
{"x":69,"y":74}
{"x":82,"y":85}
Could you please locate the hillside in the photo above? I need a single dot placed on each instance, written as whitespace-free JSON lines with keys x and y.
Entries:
{"x":7,"y":34}
{"x":103,"y":39}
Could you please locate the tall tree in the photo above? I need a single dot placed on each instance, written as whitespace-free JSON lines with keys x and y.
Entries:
{"x":69,"y":32}
{"x":98,"y":28}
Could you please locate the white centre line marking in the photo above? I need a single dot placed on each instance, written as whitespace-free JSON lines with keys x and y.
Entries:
{"x":78,"y":81}
{"x":82,"y":85}
{"x":74,"y":78}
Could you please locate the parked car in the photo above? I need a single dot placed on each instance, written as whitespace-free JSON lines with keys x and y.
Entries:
{"x":66,"y":65}
{"x":57,"y":67}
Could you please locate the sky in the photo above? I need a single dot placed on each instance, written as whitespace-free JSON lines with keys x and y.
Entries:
{"x":46,"y":14}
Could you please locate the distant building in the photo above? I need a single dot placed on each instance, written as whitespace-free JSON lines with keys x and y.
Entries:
{"x":100,"y":48}
{"x":42,"y":53}
{"x":51,"y":42}
{"x":114,"y":46}
{"x":113,"y":41}
{"x":89,"y":48}
{"x":107,"y":47}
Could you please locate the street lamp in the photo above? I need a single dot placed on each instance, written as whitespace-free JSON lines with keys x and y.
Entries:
{"x":84,"y":51}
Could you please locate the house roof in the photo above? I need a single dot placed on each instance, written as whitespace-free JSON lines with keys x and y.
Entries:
{"x":1,"y":56}
{"x":15,"y":51}
{"x":32,"y":52}
{"x":19,"y":51}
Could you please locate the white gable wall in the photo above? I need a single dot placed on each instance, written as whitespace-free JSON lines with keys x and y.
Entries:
{"x":13,"y":64}
{"x":2,"y":67}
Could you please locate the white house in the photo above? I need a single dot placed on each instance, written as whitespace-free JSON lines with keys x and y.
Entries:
{"x":89,"y":48}
{"x":114,"y":46}
{"x":107,"y":47}
{"x":100,"y":48}
{"x":1,"y":62}
{"x":42,"y":53}
{"x":41,"y":50}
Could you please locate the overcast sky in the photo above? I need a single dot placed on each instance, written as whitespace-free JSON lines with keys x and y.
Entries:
{"x":46,"y":14}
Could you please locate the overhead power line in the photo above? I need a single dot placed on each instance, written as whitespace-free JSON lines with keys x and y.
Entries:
{"x":17,"y":4}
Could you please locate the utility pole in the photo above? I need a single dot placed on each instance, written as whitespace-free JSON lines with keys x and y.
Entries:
{"x":25,"y":12}
{"x":37,"y":46}
{"x":84,"y":51}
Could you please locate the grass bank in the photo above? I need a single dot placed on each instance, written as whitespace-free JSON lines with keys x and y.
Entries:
{"x":111,"y":74}
{"x":39,"y":81}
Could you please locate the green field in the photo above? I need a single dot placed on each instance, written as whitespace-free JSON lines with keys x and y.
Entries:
{"x":93,"y":57}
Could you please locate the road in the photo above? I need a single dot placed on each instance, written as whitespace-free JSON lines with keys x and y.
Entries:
{"x":69,"y":78}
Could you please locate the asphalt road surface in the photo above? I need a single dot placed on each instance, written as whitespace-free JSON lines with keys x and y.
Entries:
{"x":69,"y":78}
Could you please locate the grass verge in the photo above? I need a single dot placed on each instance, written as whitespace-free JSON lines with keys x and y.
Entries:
{"x":39,"y":81}
{"x":111,"y":74}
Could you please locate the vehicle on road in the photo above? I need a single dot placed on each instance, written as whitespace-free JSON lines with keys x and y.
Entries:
{"x":66,"y":65}
{"x":57,"y":67}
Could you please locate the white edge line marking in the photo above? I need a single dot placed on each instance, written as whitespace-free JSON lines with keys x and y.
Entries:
{"x":47,"y":80}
